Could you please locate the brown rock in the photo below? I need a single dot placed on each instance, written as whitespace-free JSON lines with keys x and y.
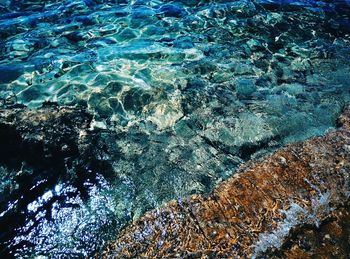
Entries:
{"x":330,"y":240}
{"x":300,"y":191}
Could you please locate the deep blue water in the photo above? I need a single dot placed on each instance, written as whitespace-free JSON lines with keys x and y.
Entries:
{"x":194,"y":88}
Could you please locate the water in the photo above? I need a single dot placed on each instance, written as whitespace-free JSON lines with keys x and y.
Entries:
{"x":187,"y":91}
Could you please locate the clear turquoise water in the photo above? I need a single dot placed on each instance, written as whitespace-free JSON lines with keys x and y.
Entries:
{"x":191,"y":88}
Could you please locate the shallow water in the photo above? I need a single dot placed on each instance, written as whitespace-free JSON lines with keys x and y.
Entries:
{"x":191,"y":89}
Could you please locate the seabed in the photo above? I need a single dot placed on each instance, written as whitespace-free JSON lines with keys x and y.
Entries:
{"x":113,"y":112}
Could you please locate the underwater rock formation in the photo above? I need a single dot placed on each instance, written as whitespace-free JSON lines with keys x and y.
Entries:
{"x":277,"y":206}
{"x":175,"y":96}
{"x":38,"y":148}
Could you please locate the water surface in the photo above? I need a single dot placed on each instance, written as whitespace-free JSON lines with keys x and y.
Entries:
{"x":190,"y":90}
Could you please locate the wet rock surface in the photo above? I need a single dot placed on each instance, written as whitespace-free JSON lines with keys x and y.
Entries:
{"x":54,"y":159}
{"x":39,"y":148}
{"x":281,"y":206}
{"x":330,"y":239}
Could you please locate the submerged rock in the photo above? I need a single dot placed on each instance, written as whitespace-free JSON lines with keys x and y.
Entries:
{"x":39,"y":148}
{"x":263,"y":210}
{"x":178,"y":94}
{"x":53,"y":160}
{"x":172,"y":10}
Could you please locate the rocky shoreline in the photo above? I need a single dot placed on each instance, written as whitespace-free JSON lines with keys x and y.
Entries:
{"x":293,"y":203}
{"x":111,"y":108}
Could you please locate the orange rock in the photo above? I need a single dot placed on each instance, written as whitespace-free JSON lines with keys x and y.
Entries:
{"x":257,"y":210}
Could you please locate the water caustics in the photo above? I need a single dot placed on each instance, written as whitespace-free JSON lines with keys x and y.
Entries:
{"x":190,"y":88}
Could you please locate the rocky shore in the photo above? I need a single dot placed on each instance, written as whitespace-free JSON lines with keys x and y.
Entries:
{"x":112,"y":108}
{"x":293,"y":203}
